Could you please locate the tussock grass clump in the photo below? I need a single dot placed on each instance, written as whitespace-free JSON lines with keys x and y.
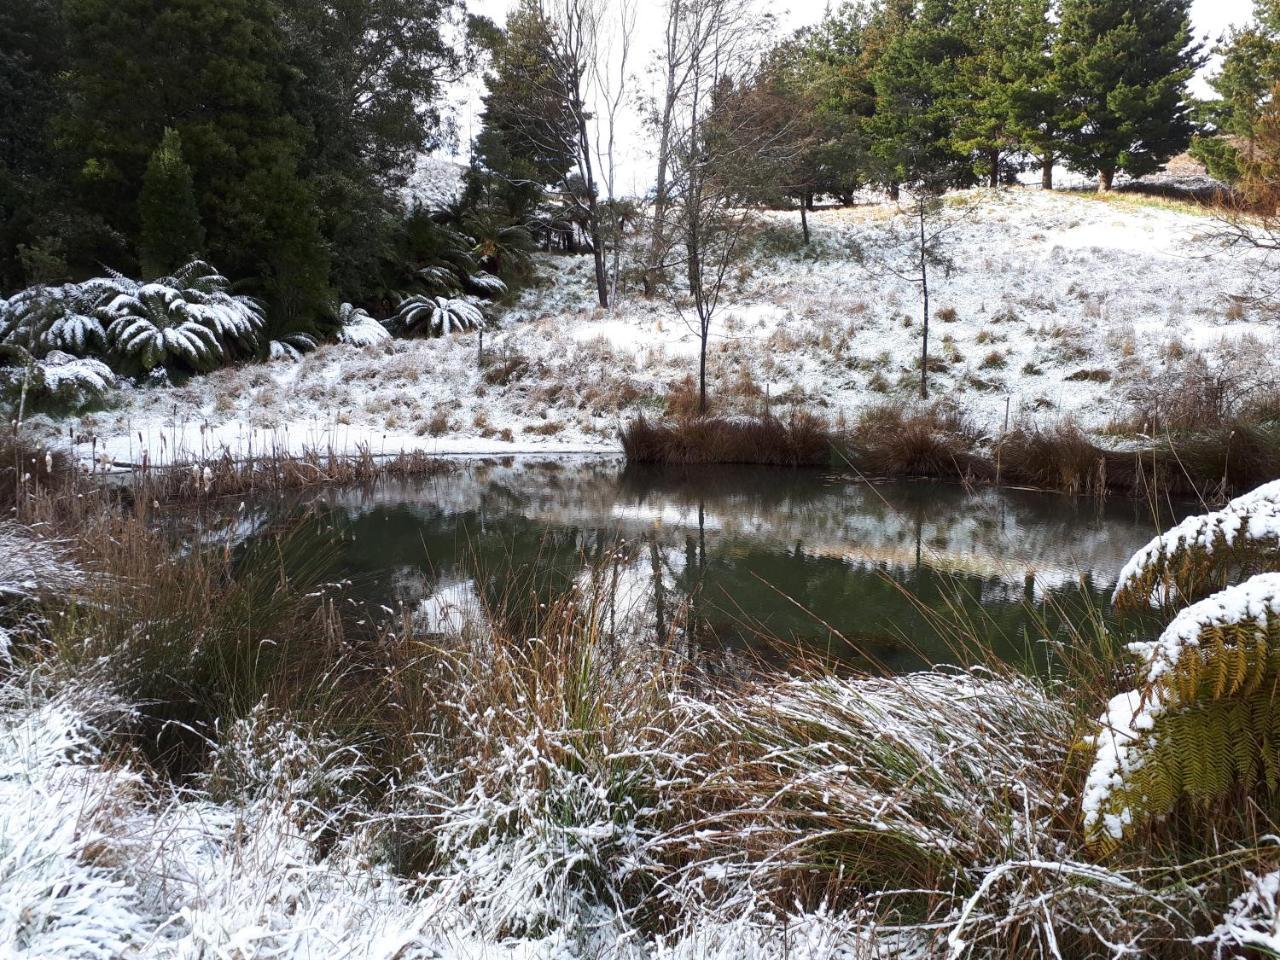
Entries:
{"x":197,"y":637}
{"x":227,"y":475}
{"x":800,"y":440}
{"x":925,"y":441}
{"x":1059,"y":457}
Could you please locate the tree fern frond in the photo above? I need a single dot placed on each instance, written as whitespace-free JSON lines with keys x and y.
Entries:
{"x":1204,"y":553}
{"x":1199,"y":721}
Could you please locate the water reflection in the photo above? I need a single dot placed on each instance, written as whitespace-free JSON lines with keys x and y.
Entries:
{"x":738,"y":557}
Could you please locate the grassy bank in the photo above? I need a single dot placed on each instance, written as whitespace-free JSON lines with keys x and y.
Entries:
{"x":233,"y":750}
{"x":1210,"y":462}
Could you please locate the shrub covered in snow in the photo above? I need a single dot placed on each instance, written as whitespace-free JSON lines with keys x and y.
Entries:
{"x":357,"y":328}
{"x":57,"y":382}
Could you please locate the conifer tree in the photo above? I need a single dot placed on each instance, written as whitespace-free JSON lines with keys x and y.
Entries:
{"x":1249,"y":73}
{"x":919,"y":91}
{"x":1123,"y":67}
{"x":171,"y":231}
{"x":1008,"y":82}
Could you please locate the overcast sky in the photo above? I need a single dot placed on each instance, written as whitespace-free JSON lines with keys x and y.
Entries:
{"x":1211,"y":18}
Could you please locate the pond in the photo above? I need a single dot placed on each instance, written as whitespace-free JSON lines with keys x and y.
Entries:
{"x":740,"y":561}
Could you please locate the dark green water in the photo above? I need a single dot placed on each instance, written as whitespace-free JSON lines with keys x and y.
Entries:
{"x":732,"y":559}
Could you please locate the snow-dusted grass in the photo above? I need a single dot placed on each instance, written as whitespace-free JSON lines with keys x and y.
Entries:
{"x":1056,"y":306}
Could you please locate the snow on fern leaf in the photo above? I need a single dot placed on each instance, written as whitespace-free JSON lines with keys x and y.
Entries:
{"x":1204,"y":551}
{"x":188,"y":320}
{"x":41,"y":319}
{"x":292,"y":347}
{"x":437,"y":316}
{"x":487,"y":284}
{"x":358,"y":329}
{"x":1201,"y":687}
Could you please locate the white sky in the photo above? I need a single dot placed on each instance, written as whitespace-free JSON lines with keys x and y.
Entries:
{"x":1210,"y":18}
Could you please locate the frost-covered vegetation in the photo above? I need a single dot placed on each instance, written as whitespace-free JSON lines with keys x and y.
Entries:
{"x":208,"y":754}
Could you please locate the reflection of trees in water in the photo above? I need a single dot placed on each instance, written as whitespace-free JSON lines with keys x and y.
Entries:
{"x":727,"y":555}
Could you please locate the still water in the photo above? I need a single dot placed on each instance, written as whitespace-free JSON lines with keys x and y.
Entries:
{"x":751,"y":562}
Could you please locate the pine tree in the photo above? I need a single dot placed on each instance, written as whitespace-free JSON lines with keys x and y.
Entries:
{"x":171,"y":232}
{"x":919,"y":91}
{"x":1244,"y":84}
{"x":1123,"y":67}
{"x":1008,"y":83}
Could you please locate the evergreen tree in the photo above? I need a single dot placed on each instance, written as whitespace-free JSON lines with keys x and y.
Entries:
{"x":1123,"y":67}
{"x":1008,"y":82}
{"x":527,"y":128}
{"x":1244,"y":86}
{"x":215,"y":71}
{"x":920,"y":90}
{"x":171,"y":232}
{"x":373,"y":70}
{"x":31,"y":55}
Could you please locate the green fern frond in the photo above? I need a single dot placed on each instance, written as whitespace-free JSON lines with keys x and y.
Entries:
{"x":1203,"y":719}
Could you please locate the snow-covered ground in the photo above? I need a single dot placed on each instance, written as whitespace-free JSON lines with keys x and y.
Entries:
{"x":1054,"y":305}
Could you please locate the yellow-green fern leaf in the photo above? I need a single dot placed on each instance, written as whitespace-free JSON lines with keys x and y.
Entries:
{"x":1204,"y":553}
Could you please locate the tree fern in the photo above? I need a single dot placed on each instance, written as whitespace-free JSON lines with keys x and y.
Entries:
{"x":357,"y":328}
{"x":63,"y":318}
{"x":1203,"y":719}
{"x":436,"y":316}
{"x":1204,"y":553}
{"x":188,"y":321}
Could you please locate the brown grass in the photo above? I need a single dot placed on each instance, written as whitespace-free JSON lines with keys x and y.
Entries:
{"x":801,"y":440}
{"x":927,"y":441}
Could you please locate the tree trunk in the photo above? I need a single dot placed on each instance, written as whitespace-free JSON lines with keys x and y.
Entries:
{"x":993,"y":174}
{"x":924,"y":289}
{"x":804,"y":219}
{"x":1106,"y":176}
{"x":1046,"y":171}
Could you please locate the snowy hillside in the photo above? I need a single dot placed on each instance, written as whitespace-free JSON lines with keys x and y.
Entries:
{"x":1054,"y":306}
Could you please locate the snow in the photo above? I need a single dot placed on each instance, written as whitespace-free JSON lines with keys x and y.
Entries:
{"x":31,"y":567}
{"x":1252,"y":922}
{"x":1052,"y":284}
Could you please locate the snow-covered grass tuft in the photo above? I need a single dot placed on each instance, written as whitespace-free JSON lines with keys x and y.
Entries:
{"x":33,"y":567}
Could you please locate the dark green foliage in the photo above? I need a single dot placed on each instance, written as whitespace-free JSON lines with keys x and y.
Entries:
{"x":1249,"y":73}
{"x":1122,"y":69}
{"x":526,"y":143}
{"x":919,"y":91}
{"x":171,"y":232}
{"x":1011,"y":95}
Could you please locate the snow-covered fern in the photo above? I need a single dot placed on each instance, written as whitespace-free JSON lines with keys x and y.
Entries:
{"x":189,"y":320}
{"x":437,"y":316}
{"x":486,"y":284}
{"x":1201,"y":719}
{"x":291,"y":347}
{"x":65,"y":318}
{"x":357,"y":328}
{"x":1204,"y":551}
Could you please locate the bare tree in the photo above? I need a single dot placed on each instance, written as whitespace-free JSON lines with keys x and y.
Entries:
{"x":915,"y":247}
{"x":720,"y":156}
{"x":611,"y":80}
